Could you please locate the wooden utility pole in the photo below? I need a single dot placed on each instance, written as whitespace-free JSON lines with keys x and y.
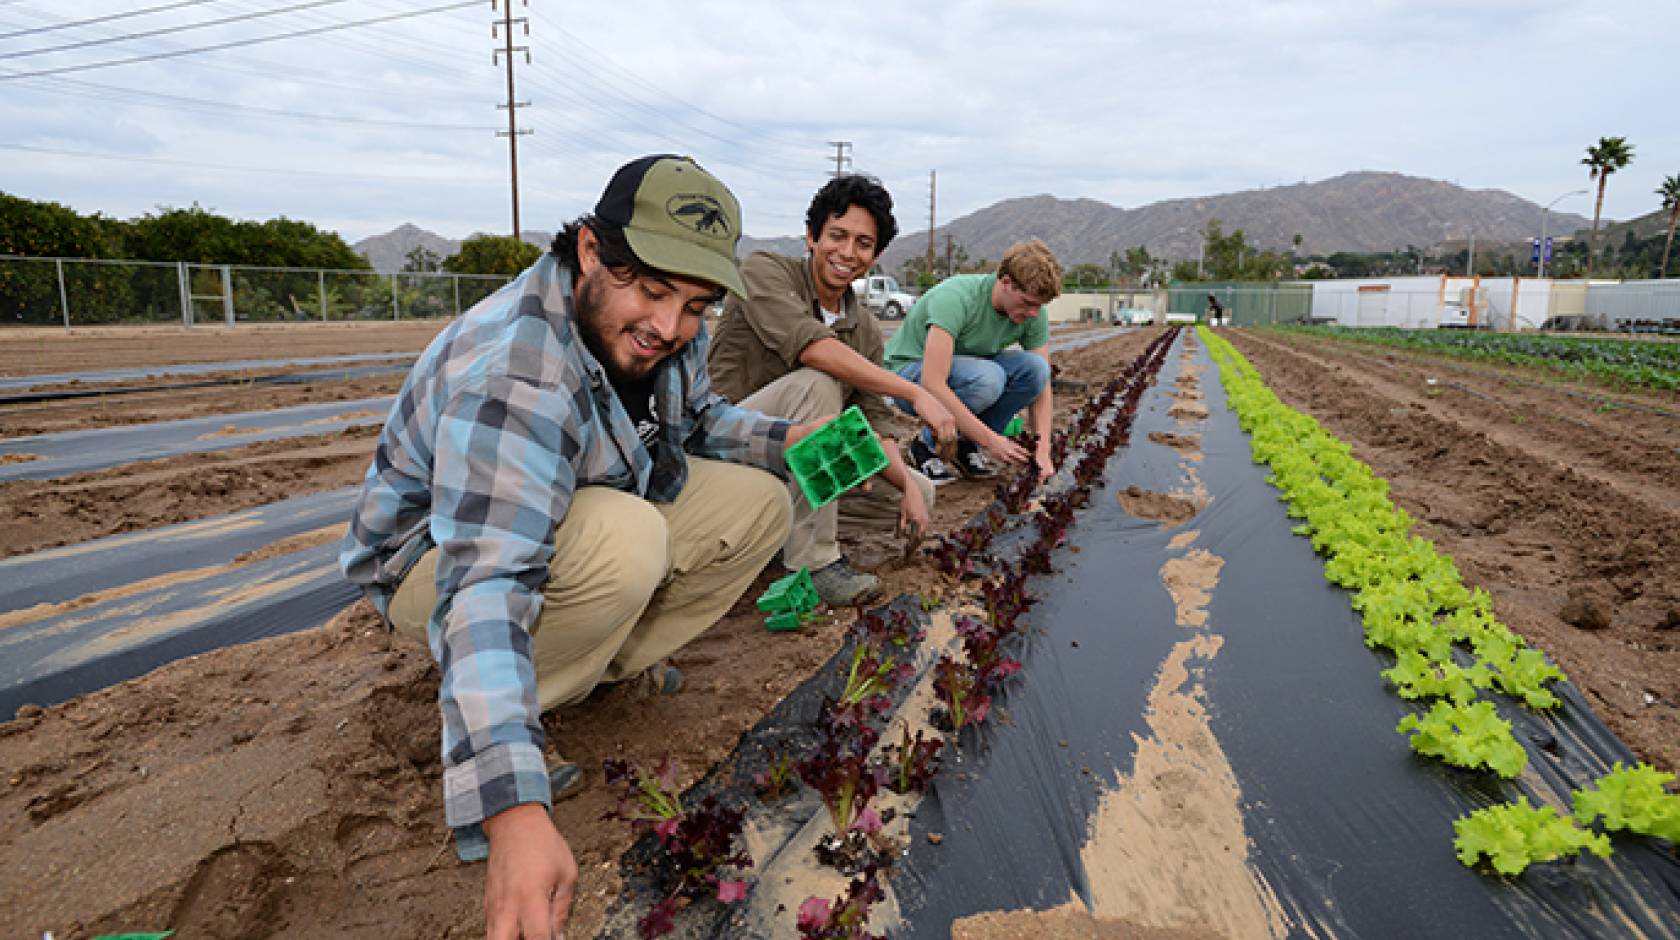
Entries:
{"x":506,"y":52}
{"x":841,"y":158}
{"x":933,"y":179}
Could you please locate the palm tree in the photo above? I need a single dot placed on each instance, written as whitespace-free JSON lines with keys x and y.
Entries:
{"x":1603,"y":158}
{"x":1670,"y":193}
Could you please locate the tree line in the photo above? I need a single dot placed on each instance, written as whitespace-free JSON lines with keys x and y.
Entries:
{"x":198,"y":236}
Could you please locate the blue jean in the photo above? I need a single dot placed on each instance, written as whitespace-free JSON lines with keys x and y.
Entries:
{"x":994,"y":388}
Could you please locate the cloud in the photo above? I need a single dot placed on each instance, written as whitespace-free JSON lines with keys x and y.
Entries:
{"x":1129,"y":104}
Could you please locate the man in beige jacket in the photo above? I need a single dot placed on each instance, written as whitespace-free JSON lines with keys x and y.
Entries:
{"x":803,"y":348}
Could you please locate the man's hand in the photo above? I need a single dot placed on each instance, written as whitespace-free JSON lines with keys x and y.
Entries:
{"x":798,"y":432}
{"x":935,"y":415}
{"x":912,"y":512}
{"x":528,"y":888}
{"x":1046,"y":469}
{"x":1006,"y":450}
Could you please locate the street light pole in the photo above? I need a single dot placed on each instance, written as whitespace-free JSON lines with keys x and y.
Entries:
{"x":1541,"y":248}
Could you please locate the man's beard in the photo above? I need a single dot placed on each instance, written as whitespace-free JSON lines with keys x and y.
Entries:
{"x":589,"y":302}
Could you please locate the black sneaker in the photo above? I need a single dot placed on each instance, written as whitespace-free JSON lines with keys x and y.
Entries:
{"x":972,"y":463}
{"x":930,"y":464}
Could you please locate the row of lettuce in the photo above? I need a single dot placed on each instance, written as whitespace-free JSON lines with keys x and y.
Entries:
{"x":1450,"y":649}
{"x":1652,"y":364}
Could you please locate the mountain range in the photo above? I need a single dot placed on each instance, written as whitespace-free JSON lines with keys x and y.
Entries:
{"x":389,"y":252}
{"x":1356,"y":212}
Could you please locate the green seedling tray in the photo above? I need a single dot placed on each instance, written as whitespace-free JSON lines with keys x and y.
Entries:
{"x":783,"y":622}
{"x":1014,"y":427}
{"x":792,"y":594}
{"x":836,"y":457}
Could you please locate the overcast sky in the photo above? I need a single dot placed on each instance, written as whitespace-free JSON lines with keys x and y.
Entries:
{"x":362,"y":129}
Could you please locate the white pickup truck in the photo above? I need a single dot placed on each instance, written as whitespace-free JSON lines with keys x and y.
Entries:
{"x":882,"y":296}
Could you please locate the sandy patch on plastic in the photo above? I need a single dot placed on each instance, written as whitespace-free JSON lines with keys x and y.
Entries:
{"x":1190,"y":445}
{"x":1068,"y":922}
{"x":1158,"y":507}
{"x":1167,"y":847}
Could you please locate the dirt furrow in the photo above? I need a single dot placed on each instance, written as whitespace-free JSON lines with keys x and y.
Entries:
{"x":1634,"y":450}
{"x":1585,"y":569}
{"x":41,"y":514}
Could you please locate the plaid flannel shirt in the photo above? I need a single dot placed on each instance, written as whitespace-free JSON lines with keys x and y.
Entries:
{"x":502,"y":418}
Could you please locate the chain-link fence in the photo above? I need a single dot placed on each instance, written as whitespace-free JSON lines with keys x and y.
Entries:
{"x":84,"y":292}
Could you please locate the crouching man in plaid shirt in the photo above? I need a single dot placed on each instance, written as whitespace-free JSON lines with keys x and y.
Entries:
{"x":558,"y":500}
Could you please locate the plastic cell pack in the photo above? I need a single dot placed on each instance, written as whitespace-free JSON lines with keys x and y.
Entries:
{"x":836,"y":457}
{"x":789,"y":599}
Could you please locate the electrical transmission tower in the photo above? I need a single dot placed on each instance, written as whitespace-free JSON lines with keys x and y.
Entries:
{"x":506,"y":53}
{"x":842,"y":156}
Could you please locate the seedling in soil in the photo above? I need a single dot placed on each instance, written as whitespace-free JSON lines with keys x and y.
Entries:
{"x":873,"y":674}
{"x":775,"y":781}
{"x":961,"y":692}
{"x":700,"y":845}
{"x":913,"y":762}
{"x":846,"y":917}
{"x":840,"y":771}
{"x":1006,"y":598}
{"x":980,"y":642}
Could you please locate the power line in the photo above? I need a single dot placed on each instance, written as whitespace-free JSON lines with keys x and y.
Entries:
{"x":101,"y":19}
{"x":167,"y":30}
{"x":281,"y":171}
{"x":357,"y":85}
{"x":184,"y":103}
{"x":605,"y":65}
{"x":7,"y":76}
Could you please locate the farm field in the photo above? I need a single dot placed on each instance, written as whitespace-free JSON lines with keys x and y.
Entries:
{"x":267,"y":790}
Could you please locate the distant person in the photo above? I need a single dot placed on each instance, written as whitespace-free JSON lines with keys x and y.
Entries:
{"x":955,"y":343}
{"x":800,"y":346}
{"x":1215,"y":311}
{"x":558,"y":500}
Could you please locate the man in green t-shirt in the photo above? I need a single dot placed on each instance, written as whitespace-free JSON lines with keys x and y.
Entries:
{"x":955,"y":343}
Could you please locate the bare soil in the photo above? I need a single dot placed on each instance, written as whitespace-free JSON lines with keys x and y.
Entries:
{"x":50,"y":351}
{"x":42,"y":514}
{"x":174,"y":404}
{"x":290,"y":787}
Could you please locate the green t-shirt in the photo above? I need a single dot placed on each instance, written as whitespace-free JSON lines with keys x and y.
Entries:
{"x":962,"y":306}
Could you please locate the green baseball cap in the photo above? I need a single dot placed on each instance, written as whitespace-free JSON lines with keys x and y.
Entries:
{"x":677,"y":217}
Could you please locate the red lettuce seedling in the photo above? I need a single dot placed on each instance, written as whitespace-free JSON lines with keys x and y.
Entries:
{"x":985,"y":657}
{"x":839,"y":770}
{"x":700,"y":845}
{"x":846,"y":917}
{"x":913,"y":762}
{"x":775,"y":781}
{"x":1036,"y":558}
{"x":872,"y":676}
{"x":648,"y":798}
{"x":957,"y":554}
{"x":957,"y":686}
{"x":1006,"y":597}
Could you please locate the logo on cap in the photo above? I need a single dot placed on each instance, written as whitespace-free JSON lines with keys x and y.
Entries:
{"x":699,"y":212}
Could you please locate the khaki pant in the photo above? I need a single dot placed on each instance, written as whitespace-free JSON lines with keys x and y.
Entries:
{"x":633,"y":581}
{"x":809,"y":395}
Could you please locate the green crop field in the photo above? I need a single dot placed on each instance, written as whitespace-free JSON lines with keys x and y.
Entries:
{"x":1649,"y":364}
